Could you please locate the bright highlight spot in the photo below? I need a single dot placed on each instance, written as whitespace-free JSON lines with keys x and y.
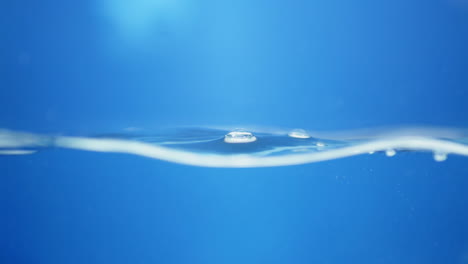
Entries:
{"x":320,"y":144}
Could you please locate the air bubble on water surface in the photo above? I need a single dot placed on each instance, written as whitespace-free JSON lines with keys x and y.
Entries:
{"x":299,"y":133}
{"x":239,"y":137}
{"x":440,"y":156}
{"x":390,"y":152}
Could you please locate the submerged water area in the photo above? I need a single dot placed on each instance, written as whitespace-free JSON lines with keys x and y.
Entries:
{"x":210,"y":147}
{"x":79,"y":198}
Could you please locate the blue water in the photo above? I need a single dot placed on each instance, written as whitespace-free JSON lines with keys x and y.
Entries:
{"x":106,"y":69}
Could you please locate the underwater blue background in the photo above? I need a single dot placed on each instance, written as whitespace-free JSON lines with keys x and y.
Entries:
{"x":90,"y":67}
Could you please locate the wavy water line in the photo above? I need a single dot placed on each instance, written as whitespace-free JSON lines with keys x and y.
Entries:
{"x":246,"y":160}
{"x":215,"y":152}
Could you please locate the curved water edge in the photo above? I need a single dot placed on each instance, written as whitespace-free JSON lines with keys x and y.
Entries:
{"x":240,"y":148}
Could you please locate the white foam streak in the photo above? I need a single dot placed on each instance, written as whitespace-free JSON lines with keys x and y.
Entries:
{"x":17,"y":152}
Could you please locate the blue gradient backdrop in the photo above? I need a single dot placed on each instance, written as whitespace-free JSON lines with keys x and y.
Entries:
{"x":85,"y":67}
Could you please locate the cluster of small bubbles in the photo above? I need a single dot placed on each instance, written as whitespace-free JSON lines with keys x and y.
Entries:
{"x":440,"y":156}
{"x":390,"y":152}
{"x":239,"y":136}
{"x":299,"y":133}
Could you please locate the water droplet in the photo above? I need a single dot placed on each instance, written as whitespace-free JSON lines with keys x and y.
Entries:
{"x":239,"y":137}
{"x":320,"y":144}
{"x":440,"y":156}
{"x":390,"y":152}
{"x":299,"y":133}
{"x":371,"y":152}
